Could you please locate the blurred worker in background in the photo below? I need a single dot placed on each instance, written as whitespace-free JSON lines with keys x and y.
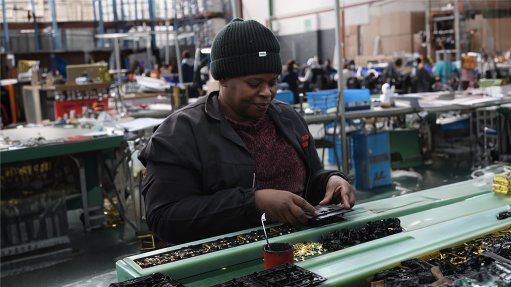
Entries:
{"x":290,"y":77}
{"x":446,"y":73}
{"x":187,"y":63}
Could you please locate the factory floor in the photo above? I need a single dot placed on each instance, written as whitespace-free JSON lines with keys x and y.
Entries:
{"x":89,"y":258}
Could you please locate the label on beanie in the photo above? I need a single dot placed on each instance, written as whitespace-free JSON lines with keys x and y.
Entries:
{"x":262,"y":54}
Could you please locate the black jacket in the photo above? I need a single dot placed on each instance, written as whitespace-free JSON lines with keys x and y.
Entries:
{"x":200,"y":173}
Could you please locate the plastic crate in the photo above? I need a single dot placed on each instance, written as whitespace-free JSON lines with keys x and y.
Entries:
{"x":357,"y":99}
{"x":285,"y":96}
{"x":338,"y":147}
{"x":457,"y":125}
{"x":323,"y":100}
{"x":354,"y":99}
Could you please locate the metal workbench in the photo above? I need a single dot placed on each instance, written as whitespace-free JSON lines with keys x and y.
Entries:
{"x":34,"y":143}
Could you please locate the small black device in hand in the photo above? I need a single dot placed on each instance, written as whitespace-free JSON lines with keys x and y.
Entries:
{"x":326,"y":213}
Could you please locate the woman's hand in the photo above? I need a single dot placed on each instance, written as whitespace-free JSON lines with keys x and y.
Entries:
{"x":338,"y":187}
{"x":283,"y":206}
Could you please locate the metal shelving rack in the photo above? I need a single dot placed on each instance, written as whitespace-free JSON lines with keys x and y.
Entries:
{"x":444,"y":31}
{"x":108,"y":16}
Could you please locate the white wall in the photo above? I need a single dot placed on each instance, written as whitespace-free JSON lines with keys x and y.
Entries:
{"x":315,"y":19}
{"x":398,"y":6}
{"x":256,"y":10}
{"x":259,"y":10}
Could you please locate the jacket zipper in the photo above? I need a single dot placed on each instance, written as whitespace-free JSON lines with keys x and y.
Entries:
{"x":309,"y":174}
{"x":307,"y":182}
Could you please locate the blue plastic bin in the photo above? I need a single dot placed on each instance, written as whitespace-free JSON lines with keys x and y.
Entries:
{"x":323,"y":100}
{"x":457,"y":125}
{"x":331,"y":154}
{"x":285,"y":96}
{"x":357,"y":99}
{"x":371,"y":159}
{"x":354,"y":99}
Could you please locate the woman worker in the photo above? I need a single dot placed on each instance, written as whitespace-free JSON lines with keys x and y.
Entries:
{"x":216,"y":165}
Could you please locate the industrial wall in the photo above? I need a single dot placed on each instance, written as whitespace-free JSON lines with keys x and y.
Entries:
{"x":492,"y":34}
{"x":307,"y":28}
{"x":372,"y":27}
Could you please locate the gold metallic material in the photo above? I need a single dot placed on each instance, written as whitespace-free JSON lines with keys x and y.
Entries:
{"x":502,"y":184}
{"x":307,"y":249}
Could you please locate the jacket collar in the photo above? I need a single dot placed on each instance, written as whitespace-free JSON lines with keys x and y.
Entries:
{"x":212,"y":107}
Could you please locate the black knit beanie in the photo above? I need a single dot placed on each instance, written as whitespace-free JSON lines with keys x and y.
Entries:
{"x":244,"y":48}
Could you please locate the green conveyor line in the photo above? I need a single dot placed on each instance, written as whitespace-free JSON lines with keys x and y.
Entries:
{"x":432,"y":219}
{"x":429,"y":231}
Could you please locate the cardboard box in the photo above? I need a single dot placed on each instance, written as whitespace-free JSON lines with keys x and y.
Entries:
{"x":418,"y":22}
{"x":368,"y":33}
{"x":351,"y":42}
{"x":499,"y":29}
{"x":399,"y":23}
{"x":395,"y":23}
{"x":391,"y":27}
{"x":469,"y":62}
{"x":396,"y":43}
{"x":477,"y":26}
{"x":489,"y":34}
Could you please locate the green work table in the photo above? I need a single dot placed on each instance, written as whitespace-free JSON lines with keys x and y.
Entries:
{"x":85,"y":147}
{"x":432,"y":219}
{"x":55,"y":148}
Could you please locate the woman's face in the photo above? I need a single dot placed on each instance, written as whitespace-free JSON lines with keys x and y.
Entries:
{"x":246,"y":99}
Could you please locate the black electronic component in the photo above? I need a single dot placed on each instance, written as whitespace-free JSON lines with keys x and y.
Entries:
{"x":485,"y":261}
{"x":504,"y":214}
{"x":224,"y":243}
{"x":344,"y":238}
{"x":153,"y":280}
{"x":326,"y":214}
{"x":212,"y":246}
{"x":283,"y":276}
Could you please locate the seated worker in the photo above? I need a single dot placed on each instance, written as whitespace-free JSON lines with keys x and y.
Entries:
{"x":215,"y":166}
